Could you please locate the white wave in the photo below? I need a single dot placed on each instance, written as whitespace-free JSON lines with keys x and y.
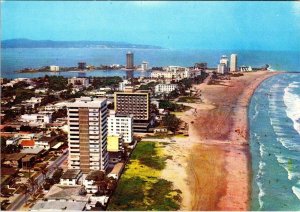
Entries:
{"x":296,"y":191}
{"x":292,"y":102}
{"x":262,"y":150}
{"x":261,"y":194}
{"x":284,"y":163}
{"x":256,"y":112}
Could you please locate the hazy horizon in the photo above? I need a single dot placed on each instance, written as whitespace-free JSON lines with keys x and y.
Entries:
{"x":268,"y":26}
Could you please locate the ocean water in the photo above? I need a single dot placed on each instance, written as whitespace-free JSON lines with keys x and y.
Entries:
{"x":274,"y":117}
{"x":19,"y":58}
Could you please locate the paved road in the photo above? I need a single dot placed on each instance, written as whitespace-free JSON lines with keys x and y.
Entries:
{"x":22,"y":198}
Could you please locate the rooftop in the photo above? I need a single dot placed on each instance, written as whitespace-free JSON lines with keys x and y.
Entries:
{"x":34,"y":151}
{"x":87,"y":102}
{"x":27,"y":143}
{"x":62,"y":192}
{"x":71,"y":174}
{"x":58,"y":206}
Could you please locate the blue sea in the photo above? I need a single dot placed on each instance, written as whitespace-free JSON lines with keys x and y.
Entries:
{"x":274,"y":117}
{"x":13,"y":59}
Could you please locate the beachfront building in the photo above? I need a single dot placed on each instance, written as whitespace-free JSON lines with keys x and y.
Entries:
{"x":137,"y":105}
{"x":245,"y":68}
{"x":121,"y":124}
{"x":171,"y":73}
{"x":129,"y":60}
{"x":165,"y":88}
{"x":233,"y":63}
{"x":79,"y":82}
{"x":54,"y":68}
{"x":223,"y":67}
{"x":87,"y":118}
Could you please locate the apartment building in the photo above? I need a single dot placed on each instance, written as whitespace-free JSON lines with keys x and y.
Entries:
{"x":172,"y":72}
{"x":136,"y":104}
{"x":87,"y":119}
{"x":121,"y":125}
{"x":79,"y":81}
{"x":165,"y":88}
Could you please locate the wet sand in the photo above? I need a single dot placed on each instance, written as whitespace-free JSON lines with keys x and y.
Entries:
{"x":215,"y":159}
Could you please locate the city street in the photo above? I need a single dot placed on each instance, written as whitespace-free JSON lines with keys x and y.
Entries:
{"x":22,"y":198}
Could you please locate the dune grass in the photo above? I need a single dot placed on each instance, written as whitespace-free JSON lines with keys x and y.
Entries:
{"x":140,"y":187}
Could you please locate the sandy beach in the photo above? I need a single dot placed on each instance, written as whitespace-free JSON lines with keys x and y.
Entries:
{"x":212,"y":166}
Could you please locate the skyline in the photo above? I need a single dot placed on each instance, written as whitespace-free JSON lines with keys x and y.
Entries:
{"x":200,"y":25}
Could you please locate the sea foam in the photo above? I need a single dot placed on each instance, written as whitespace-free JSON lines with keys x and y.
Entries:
{"x":292,"y":102}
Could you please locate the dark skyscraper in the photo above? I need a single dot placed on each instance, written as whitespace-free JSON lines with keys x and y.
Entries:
{"x":129,"y":60}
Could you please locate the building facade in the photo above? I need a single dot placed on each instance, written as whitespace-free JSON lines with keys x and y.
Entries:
{"x":136,"y":104}
{"x":233,"y":63}
{"x":172,"y":72}
{"x":87,"y":120}
{"x":165,"y":88}
{"x":121,"y":125}
{"x":129,"y":60}
{"x":79,"y":81}
{"x":54,"y":68}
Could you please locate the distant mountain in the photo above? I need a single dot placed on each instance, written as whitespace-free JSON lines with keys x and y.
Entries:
{"x":27,"y":43}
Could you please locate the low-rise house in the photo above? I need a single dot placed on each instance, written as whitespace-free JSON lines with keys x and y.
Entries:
{"x":38,"y":118}
{"x":89,"y":182}
{"x":63,"y":193}
{"x":27,"y":143}
{"x":165,"y":88}
{"x":46,"y":142}
{"x":42,"y":205}
{"x":41,"y":90}
{"x":71,"y":177}
{"x":79,"y":82}
{"x":13,"y":140}
{"x":34,"y":101}
{"x":117,"y":171}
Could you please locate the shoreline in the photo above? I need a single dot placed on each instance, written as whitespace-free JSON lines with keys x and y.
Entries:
{"x":218,"y":171}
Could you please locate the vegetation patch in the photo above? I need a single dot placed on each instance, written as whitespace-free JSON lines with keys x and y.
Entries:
{"x":140,"y":187}
{"x":188,"y":99}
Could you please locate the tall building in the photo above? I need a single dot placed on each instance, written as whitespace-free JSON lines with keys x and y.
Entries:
{"x":136,"y":104}
{"x":144,"y":66}
{"x":129,"y":60}
{"x":87,"y":120}
{"x":224,"y":65}
{"x":233,"y":63}
{"x":221,"y":68}
{"x":121,"y":125}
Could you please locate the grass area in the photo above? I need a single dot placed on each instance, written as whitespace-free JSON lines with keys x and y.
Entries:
{"x":159,"y":136}
{"x":187,"y":99}
{"x":140,"y":187}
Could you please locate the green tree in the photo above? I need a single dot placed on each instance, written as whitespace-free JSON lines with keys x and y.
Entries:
{"x":171,"y":122}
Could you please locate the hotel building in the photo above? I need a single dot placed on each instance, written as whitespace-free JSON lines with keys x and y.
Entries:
{"x":136,"y":104}
{"x":233,"y":63}
{"x":87,"y":119}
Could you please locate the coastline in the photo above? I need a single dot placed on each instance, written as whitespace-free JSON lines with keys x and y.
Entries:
{"x":218,"y":160}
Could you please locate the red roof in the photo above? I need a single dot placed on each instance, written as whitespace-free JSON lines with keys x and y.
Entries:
{"x":27,"y":142}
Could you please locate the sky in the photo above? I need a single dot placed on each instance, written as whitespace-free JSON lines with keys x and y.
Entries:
{"x":178,"y":25}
